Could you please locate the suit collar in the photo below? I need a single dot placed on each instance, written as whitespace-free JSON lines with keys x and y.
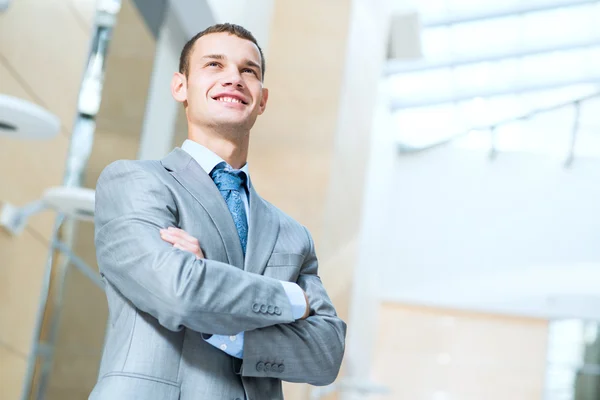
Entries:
{"x":263,"y":229}
{"x":176,"y":160}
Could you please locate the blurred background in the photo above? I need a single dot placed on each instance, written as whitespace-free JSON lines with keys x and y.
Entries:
{"x":443,"y":153}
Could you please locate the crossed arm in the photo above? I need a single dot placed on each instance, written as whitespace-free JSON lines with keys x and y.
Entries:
{"x":259,"y":344}
{"x":208,"y":296}
{"x":182,"y":240}
{"x":233,"y":345}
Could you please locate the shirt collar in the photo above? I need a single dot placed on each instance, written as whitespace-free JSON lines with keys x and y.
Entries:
{"x":207,"y":159}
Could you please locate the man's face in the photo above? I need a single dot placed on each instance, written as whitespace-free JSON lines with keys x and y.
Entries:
{"x":224,"y":87}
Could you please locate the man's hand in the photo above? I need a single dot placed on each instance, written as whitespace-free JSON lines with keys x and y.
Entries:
{"x":182,"y":240}
{"x":307,"y":312}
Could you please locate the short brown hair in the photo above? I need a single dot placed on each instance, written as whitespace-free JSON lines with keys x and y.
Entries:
{"x":232,"y":29}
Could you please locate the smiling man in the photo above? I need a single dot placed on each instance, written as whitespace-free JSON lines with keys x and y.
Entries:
{"x":213,"y":292}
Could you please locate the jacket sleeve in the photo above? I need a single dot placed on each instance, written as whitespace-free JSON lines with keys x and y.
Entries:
{"x":305,"y":351}
{"x":207,"y":296}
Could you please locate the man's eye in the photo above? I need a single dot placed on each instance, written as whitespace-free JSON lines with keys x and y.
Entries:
{"x":249,"y":70}
{"x":212,"y":64}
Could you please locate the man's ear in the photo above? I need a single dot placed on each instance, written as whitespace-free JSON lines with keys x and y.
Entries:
{"x":179,"y":87}
{"x":263,"y":101}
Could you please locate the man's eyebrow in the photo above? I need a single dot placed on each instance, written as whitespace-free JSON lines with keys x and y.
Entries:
{"x":253,"y":64}
{"x":215,"y":56}
{"x":250,"y":63}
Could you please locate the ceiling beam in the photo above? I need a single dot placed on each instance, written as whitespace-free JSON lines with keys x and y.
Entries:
{"x":153,"y":12}
{"x":401,"y":67}
{"x":400,"y":103}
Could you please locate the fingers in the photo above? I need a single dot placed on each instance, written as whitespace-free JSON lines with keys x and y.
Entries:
{"x":167,"y":237}
{"x":186,"y":248}
{"x":175,"y":233}
{"x":181,"y":240}
{"x":179,"y":236}
{"x":307,"y":312}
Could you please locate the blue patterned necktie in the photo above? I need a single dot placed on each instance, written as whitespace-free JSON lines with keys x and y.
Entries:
{"x":230,"y":183}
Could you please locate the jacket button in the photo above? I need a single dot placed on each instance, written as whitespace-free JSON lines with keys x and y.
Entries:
{"x":260,"y":366}
{"x":255,"y":307}
{"x":277,"y":310}
{"x":263,"y":308}
{"x":281,"y":368}
{"x":270,"y":309}
{"x":267,"y":367}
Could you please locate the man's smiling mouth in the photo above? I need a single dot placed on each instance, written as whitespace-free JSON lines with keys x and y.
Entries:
{"x":229,"y":99}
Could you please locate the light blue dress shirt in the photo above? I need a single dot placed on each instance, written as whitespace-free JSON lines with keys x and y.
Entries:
{"x":234,"y":345}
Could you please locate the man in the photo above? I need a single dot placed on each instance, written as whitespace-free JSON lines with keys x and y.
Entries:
{"x":213,"y":292}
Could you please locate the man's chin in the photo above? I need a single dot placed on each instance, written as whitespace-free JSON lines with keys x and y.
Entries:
{"x":231,"y":122}
{"x":232,"y":125}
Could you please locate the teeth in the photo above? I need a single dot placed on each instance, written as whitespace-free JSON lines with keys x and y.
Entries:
{"x":229,"y":100}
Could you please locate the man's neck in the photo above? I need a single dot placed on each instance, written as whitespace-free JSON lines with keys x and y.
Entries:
{"x":234,"y":152}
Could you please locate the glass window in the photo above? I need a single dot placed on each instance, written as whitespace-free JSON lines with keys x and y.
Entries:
{"x":434,"y":105}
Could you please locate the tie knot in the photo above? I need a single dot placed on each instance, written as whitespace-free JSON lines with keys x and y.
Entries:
{"x":228,"y":179}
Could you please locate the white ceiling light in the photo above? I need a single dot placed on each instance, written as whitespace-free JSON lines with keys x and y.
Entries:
{"x":24,"y":120}
{"x":74,"y":202}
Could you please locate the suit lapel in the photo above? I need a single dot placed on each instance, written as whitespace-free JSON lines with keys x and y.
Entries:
{"x":263,"y":229}
{"x":193,"y":178}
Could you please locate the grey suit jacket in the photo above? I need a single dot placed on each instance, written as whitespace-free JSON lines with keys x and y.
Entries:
{"x":162,"y":299}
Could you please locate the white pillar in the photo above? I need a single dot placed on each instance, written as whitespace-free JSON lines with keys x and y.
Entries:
{"x":161,"y":109}
{"x":377,"y":18}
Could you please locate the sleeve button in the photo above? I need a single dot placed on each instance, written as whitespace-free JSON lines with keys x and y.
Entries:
{"x":260,"y":366}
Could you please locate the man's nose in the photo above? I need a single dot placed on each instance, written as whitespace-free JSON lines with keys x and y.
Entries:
{"x":233,"y":78}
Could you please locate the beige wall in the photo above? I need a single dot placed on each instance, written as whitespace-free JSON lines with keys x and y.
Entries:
{"x":43,"y":46}
{"x":422,"y":351}
{"x":295,"y":136}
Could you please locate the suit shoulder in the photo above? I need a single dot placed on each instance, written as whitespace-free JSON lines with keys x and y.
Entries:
{"x":131,"y":165}
{"x":125,"y":168}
